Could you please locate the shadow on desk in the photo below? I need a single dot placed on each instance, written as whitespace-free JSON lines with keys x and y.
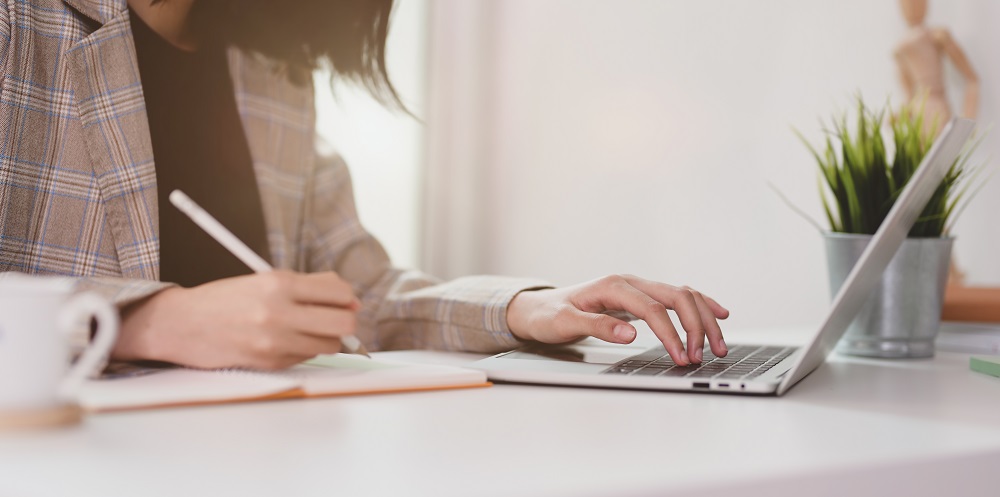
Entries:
{"x":941,"y":388}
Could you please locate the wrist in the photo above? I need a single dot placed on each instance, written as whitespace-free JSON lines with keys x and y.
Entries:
{"x":519,"y":312}
{"x":141,"y":336}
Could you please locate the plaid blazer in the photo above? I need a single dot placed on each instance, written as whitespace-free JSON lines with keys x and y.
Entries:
{"x":78,"y":184}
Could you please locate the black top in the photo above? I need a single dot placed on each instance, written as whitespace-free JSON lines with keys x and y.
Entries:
{"x":199,"y":147}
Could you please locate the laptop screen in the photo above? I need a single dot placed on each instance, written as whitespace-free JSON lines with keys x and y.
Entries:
{"x":868,"y":270}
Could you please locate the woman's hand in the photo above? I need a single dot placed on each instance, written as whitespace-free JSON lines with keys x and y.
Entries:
{"x":566,"y":314}
{"x":262,"y":321}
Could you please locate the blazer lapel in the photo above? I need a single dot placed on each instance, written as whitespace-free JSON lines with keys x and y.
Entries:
{"x":278,"y":119}
{"x":105,"y":77}
{"x":98,"y":10}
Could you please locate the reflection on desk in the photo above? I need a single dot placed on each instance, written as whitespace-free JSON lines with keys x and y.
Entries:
{"x":972,"y":338}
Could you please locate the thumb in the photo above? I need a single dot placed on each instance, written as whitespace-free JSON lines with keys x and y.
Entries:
{"x":599,"y":326}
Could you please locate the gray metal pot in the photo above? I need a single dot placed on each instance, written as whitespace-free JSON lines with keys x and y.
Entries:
{"x":903,"y":313}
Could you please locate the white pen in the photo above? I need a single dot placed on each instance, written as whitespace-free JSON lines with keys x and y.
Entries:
{"x":227,"y":239}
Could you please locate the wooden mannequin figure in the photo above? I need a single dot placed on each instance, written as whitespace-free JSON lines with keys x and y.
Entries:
{"x":920,"y":58}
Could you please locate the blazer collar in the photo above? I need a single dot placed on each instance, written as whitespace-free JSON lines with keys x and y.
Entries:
{"x":101,"y":11}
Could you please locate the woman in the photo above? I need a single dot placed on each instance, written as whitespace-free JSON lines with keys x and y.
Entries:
{"x":108,"y":105}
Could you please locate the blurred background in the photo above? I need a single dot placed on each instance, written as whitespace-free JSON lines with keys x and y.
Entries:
{"x":568,"y":139}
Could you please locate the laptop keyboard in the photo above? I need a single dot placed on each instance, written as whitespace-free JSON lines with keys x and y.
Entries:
{"x":742,"y":362}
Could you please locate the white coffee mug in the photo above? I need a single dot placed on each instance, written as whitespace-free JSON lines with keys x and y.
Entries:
{"x":37,"y":318}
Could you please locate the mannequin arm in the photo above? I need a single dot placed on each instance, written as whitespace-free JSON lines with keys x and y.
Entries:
{"x":957,"y":56}
{"x":905,"y":79}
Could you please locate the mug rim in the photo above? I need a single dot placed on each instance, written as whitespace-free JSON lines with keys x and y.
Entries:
{"x":18,"y":283}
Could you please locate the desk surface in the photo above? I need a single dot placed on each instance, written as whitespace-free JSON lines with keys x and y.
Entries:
{"x":923,"y":427}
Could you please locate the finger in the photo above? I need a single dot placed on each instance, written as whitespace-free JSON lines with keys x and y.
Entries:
{"x":271,"y":363}
{"x":712,"y":329}
{"x":653,"y":288}
{"x":277,"y":348}
{"x":708,"y":309}
{"x":323,"y":288}
{"x":575,"y":323}
{"x":717,"y":310}
{"x":319,"y":320}
{"x":682,"y":301}
{"x":625,"y":297}
{"x":696,"y":336}
{"x":309,"y":346}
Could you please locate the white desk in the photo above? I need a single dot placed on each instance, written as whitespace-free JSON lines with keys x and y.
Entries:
{"x":925,"y":427}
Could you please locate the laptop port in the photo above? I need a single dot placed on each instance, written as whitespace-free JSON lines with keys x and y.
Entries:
{"x":724,"y":385}
{"x":701,"y":384}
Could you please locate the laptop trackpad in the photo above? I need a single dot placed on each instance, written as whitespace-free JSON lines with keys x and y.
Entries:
{"x":580,"y":353}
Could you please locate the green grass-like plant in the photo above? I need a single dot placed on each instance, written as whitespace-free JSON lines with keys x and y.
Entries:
{"x":859,"y":184}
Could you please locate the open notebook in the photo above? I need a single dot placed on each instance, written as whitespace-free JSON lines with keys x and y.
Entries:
{"x":329,"y":375}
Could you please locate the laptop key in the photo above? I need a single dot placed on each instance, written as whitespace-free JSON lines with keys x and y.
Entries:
{"x":649,"y":355}
{"x":703,"y":374}
{"x":730,"y":376}
{"x":676,"y":372}
{"x":619,"y":370}
{"x":648,"y":372}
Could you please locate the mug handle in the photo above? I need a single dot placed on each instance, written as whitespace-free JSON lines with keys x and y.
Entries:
{"x":90,"y":362}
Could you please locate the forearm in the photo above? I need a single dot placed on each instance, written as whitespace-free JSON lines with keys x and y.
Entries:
{"x":408,"y":310}
{"x":400,"y":309}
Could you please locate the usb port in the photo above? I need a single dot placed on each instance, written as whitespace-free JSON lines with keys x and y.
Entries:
{"x":701,"y":384}
{"x":724,"y":385}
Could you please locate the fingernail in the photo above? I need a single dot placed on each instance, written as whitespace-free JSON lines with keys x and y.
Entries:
{"x":698,"y":354}
{"x":725,"y":349}
{"x":624,"y":333}
{"x":682,"y":359}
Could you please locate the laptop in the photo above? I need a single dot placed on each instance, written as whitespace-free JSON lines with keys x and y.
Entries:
{"x":746,"y":369}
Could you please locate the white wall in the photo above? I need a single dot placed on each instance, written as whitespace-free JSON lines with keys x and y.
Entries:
{"x":639,"y":136}
{"x":384,"y":149}
{"x":458,"y":135}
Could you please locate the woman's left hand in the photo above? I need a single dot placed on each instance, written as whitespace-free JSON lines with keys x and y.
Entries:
{"x":562,"y":315}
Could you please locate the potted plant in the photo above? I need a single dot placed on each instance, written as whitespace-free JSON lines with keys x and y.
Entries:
{"x":860,"y":179}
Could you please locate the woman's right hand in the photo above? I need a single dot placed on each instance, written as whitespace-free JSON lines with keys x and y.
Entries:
{"x":270,"y":320}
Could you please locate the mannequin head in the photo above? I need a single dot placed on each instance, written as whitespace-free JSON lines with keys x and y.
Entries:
{"x":914,"y":11}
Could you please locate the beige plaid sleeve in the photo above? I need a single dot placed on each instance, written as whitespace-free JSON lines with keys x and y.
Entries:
{"x":401,"y":308}
{"x":120,"y":292}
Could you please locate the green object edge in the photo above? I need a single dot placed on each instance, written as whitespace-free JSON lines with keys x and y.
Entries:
{"x":985,"y":365}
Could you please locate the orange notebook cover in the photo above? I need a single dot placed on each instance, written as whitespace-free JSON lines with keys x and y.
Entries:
{"x":331,"y":375}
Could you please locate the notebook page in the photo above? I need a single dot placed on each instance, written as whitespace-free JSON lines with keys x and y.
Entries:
{"x":180,"y":386}
{"x":341,"y":374}
{"x":337,"y":374}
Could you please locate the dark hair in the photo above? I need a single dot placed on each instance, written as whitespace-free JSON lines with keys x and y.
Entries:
{"x":303,"y":35}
